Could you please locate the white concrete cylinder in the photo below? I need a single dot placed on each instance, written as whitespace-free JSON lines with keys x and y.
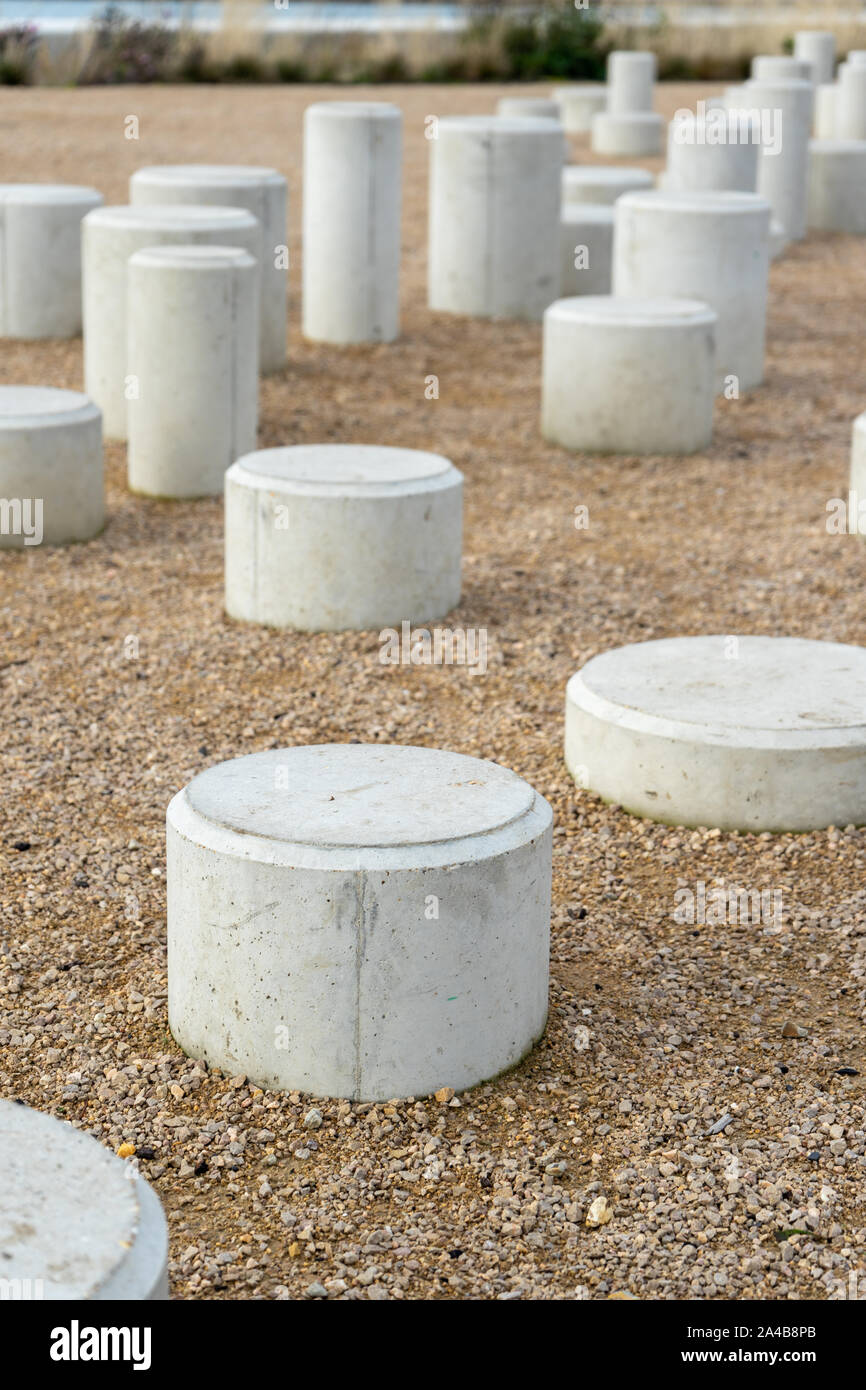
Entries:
{"x":51,"y":480}
{"x":262,"y":192}
{"x":717,"y":152}
{"x":193,"y":315}
{"x":851,"y":103}
{"x":857,"y":478}
{"x":783,"y":158}
{"x":628,"y":376}
{"x":824,"y":123}
{"x":781,"y":68}
{"x":76,"y":1223}
{"x":837,"y":186}
{"x":579,"y":103}
{"x":40,"y":258}
{"x":713,"y":247}
{"x":333,"y":537}
{"x":637,"y":134}
{"x":494,"y":215}
{"x":356,"y":920}
{"x":351,"y":224}
{"x":110,"y":236}
{"x":586,"y":249}
{"x":817,"y":47}
{"x":630,"y":81}
{"x":742,"y":733}
{"x":600,"y":183}
{"x":545,"y":107}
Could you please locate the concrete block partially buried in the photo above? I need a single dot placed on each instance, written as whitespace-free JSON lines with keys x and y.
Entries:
{"x":359,"y":920}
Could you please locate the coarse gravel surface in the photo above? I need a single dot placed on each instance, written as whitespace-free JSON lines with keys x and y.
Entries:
{"x":590,"y":1171}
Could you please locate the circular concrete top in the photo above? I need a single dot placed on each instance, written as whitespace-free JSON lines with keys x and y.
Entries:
{"x":48,"y":193}
{"x":171,"y":216}
{"x":353,"y":110}
{"x":690,"y":687}
{"x":209,"y":174}
{"x":588,"y":212}
{"x":70,"y":1212}
{"x":580,"y":89}
{"x":611,"y":311}
{"x":338,"y":465}
{"x":705,"y":203}
{"x":855,"y":148}
{"x":360,"y":796}
{"x":26,"y":407}
{"x":601,"y":183}
{"x":193,"y":257}
{"x":500,"y":125}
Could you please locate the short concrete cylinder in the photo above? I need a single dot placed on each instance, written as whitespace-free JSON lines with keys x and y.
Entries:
{"x":628,"y":376}
{"x":857,"y":474}
{"x":351,"y":222}
{"x":578,"y":104}
{"x":781,"y":68}
{"x":586,"y":249}
{"x":742,"y":733}
{"x":598,"y":183}
{"x":193,"y":314}
{"x":544,"y":107}
{"x":40,"y":258}
{"x":635,"y":134}
{"x":344,"y":536}
{"x":837,"y":186}
{"x":817,"y":47}
{"x":708,"y":246}
{"x":630,"y":81}
{"x":782,"y":165}
{"x":851,"y":103}
{"x":494,"y":215}
{"x":262,"y":192}
{"x":76,"y":1223}
{"x":698,"y":162}
{"x":51,"y":478}
{"x":824,"y":123}
{"x":110,"y":236}
{"x":359,"y":921}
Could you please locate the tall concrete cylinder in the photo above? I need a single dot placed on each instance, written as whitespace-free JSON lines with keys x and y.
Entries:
{"x":837,"y":186}
{"x":262,"y":192}
{"x":579,"y":103}
{"x":783,"y":159}
{"x":774,"y":67}
{"x":824,"y":124}
{"x":851,"y":103}
{"x":494,"y":216}
{"x":40,"y":258}
{"x":712,"y":247}
{"x":698,"y":161}
{"x":109,"y":237}
{"x":817,"y":47}
{"x":193,"y":355}
{"x":351,"y":224}
{"x":630,"y":81}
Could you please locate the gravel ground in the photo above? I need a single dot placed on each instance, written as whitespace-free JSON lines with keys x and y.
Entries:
{"x":590,"y":1171}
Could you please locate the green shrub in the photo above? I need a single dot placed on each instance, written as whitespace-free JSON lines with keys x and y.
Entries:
{"x":554,"y":43}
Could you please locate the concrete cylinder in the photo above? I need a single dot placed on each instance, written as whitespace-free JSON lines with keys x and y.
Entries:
{"x":817,"y":47}
{"x":358,"y":920}
{"x":578,"y":104}
{"x":851,"y":103}
{"x":630,"y":81}
{"x":351,"y":224}
{"x":700,"y":161}
{"x":742,"y":733}
{"x":786,"y":114}
{"x":857,"y":478}
{"x":494,"y":216}
{"x":628,"y":376}
{"x":76,"y":1223}
{"x":332,"y":537}
{"x":51,"y":485}
{"x":598,"y":183}
{"x":636,"y":134}
{"x":586,"y":249}
{"x":781,"y":68}
{"x":40,"y":264}
{"x":837,"y":186}
{"x":824,"y":124}
{"x":110,"y":236}
{"x":193,"y":315}
{"x":545,"y":107}
{"x":262,"y":192}
{"x":708,"y":246}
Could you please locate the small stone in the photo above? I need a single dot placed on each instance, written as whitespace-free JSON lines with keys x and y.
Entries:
{"x":126,"y":1151}
{"x":793,"y":1030}
{"x":444,"y":1095}
{"x":313,"y":1119}
{"x":316,"y":1291}
{"x":599,"y":1213}
{"x":582,"y":1038}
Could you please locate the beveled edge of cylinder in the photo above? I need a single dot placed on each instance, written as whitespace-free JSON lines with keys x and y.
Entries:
{"x":622,"y":311}
{"x":500,"y":125}
{"x":208,"y":175}
{"x":195,"y":257}
{"x":603,"y":213}
{"x":50,"y":194}
{"x":702,"y":202}
{"x":244,"y":473}
{"x":80,"y":411}
{"x":606,"y":175}
{"x":354,"y":110}
{"x":186,"y":217}
{"x":835,"y":146}
{"x":629,"y":117}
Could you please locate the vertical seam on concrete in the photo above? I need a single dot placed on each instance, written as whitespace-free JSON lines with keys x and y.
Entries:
{"x":360,"y":944}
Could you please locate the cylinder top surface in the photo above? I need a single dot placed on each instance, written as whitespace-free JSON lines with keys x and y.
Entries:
{"x":588,"y":212}
{"x":500,"y":125}
{"x":344,"y":463}
{"x":710,"y":202}
{"x":605,"y":174}
{"x":193,"y":257}
{"x":348,"y":110}
{"x":171,"y":216}
{"x":360,"y":795}
{"x":68,"y":1211}
{"x":46,"y":193}
{"x":29,"y":405}
{"x":785,"y":684}
{"x":852,"y":147}
{"x":610,"y":310}
{"x":252,"y":174}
